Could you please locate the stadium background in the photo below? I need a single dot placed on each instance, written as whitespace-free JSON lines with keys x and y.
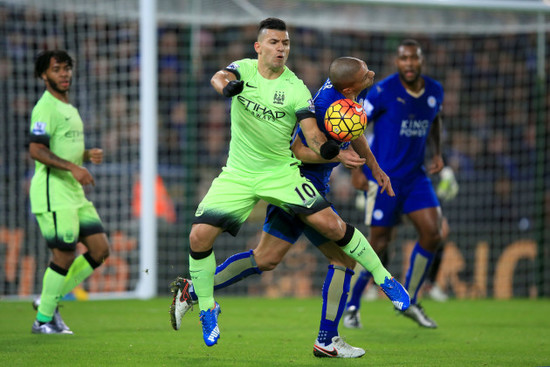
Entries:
{"x":489,"y":55}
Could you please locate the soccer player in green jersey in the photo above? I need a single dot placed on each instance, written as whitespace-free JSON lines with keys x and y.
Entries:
{"x":267,"y":101}
{"x":63,"y":213}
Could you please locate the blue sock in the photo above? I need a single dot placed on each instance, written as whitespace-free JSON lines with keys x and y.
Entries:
{"x":335,"y":293}
{"x":419,"y":264}
{"x":235,"y":268}
{"x":358,"y":288}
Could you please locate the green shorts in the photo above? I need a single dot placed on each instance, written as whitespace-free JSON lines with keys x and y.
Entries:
{"x":63,"y":228}
{"x":233,"y":195}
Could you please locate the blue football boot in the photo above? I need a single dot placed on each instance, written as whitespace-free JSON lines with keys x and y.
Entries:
{"x":209,"y":320}
{"x":397,"y":294}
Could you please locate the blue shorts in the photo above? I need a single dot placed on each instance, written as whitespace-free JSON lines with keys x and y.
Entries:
{"x":413,"y":194}
{"x":289,"y":227}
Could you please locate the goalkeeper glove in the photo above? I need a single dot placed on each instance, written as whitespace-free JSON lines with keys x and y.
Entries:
{"x":448,"y":187}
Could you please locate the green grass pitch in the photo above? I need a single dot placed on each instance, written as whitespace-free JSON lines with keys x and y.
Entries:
{"x":278,"y":332}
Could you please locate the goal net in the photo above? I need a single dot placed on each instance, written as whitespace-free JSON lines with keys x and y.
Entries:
{"x":490,"y":57}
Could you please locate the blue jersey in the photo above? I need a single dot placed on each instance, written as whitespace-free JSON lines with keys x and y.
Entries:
{"x":319,"y":173}
{"x":402,"y":123}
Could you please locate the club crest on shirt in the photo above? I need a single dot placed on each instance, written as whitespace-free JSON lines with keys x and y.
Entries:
{"x":279,"y":97}
{"x":39,"y":128}
{"x":200,"y":210}
{"x":431,"y":101}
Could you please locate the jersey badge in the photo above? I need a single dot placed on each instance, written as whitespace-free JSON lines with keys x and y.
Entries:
{"x":199,"y":211}
{"x":39,"y":128}
{"x":279,"y":97}
{"x":431,"y":101}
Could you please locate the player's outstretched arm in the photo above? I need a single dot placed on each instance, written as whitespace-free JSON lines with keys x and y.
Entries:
{"x":44,"y":155}
{"x":347,"y":157}
{"x":317,"y":141}
{"x":305,"y":154}
{"x":226,"y":83}
{"x":362,"y":148}
{"x":350,"y":159}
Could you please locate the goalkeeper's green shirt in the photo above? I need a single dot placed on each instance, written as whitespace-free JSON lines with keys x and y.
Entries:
{"x":58,"y":126}
{"x":263,"y":118}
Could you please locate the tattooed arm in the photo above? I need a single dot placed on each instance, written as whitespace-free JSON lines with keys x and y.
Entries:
{"x":44,"y":155}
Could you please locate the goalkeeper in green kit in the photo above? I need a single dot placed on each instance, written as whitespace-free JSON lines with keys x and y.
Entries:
{"x":63,"y":213}
{"x":267,"y":101}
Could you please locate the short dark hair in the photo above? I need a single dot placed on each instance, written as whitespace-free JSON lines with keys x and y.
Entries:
{"x":410,"y":42}
{"x":272,"y":23}
{"x":42,"y":62}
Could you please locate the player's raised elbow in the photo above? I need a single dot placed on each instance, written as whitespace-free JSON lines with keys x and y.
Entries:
{"x":219,"y":80}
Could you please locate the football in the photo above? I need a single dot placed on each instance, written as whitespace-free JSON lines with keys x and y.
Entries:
{"x":345,"y":120}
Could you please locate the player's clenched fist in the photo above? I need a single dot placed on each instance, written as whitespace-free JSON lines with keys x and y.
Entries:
{"x":95,"y":155}
{"x":233,"y":88}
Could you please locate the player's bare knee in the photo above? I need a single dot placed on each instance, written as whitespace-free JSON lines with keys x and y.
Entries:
{"x":202,"y":237}
{"x":193,"y":239}
{"x":267,"y":266}
{"x":266,"y":263}
{"x":430,"y":242}
{"x":197,"y":242}
{"x":379,"y":246}
{"x":435,"y":238}
{"x":63,"y":259}
{"x":334,"y":230}
{"x":99,"y":253}
{"x":104,"y":253}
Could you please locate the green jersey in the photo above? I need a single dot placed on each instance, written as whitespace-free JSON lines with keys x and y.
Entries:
{"x":263,"y":118}
{"x":58,"y":126}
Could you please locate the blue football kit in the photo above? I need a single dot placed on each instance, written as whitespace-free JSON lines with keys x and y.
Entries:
{"x":401,"y":122}
{"x":401,"y":125}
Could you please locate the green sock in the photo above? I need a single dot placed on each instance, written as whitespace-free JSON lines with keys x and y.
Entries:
{"x":360,"y":249}
{"x":79,"y":270}
{"x":52,"y":284}
{"x":202,"y":274}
